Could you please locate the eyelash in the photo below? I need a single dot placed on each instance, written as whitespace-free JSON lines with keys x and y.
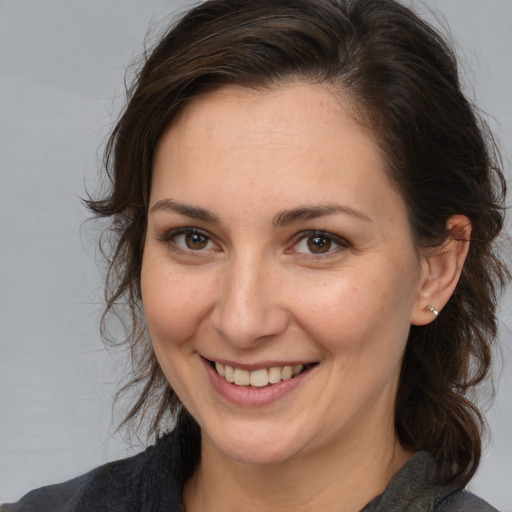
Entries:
{"x":341,"y":243}
{"x":169,"y":238}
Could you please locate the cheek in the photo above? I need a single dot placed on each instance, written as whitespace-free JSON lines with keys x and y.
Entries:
{"x":174,"y":305}
{"x":347,"y":315}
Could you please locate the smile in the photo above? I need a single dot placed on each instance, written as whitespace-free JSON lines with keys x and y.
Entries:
{"x":258,"y":378}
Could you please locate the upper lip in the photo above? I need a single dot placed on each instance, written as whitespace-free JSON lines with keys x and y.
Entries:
{"x":257,"y":366}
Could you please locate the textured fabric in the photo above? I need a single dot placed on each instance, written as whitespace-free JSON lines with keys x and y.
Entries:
{"x":413,"y":490}
{"x":152,"y":482}
{"x":147,"y":482}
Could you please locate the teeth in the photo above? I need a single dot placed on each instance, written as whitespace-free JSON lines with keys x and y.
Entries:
{"x":274,"y":375}
{"x":220,"y":369}
{"x":241,"y":377}
{"x":258,"y":378}
{"x":229,"y":373}
{"x":287,"y":372}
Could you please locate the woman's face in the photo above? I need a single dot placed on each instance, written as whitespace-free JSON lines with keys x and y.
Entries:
{"x":278,"y":251}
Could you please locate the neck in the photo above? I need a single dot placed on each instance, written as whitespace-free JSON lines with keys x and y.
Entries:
{"x":329,"y":479}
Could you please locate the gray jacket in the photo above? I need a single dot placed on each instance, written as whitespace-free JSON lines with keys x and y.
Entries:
{"x":152,"y":482}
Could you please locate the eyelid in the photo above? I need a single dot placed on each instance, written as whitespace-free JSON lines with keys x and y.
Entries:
{"x":168,"y":236}
{"x":341,"y":242}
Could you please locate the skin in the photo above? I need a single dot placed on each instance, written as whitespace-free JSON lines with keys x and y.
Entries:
{"x":254,"y":293}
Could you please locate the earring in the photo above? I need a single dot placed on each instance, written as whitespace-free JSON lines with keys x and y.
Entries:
{"x":432,"y":309}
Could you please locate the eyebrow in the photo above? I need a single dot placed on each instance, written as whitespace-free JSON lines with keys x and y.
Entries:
{"x":194,"y":212}
{"x":312,"y":212}
{"x":283,"y":218}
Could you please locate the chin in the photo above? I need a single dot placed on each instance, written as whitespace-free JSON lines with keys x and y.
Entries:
{"x":255,"y":444}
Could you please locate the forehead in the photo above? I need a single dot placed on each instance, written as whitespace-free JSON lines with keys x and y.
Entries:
{"x":297,"y":115}
{"x":294,"y":143}
{"x":297,"y":100}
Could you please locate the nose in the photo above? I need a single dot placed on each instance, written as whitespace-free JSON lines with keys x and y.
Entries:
{"x":248,"y":310}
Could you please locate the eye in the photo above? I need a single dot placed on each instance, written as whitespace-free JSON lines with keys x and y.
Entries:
{"x":194,"y":241}
{"x":319,"y":243}
{"x":188,"y":240}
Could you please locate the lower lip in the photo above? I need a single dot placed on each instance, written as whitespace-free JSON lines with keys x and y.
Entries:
{"x":252,"y":396}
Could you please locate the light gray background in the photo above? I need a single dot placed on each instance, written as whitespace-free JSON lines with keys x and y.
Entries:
{"x":61,"y":68}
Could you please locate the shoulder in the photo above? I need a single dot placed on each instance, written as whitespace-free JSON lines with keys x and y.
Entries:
{"x":415,"y":488}
{"x":61,"y":497}
{"x":114,"y":486}
{"x":464,"y":501}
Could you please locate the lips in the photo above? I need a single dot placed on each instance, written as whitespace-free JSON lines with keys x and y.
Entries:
{"x":260,"y":377}
{"x":256,"y":385}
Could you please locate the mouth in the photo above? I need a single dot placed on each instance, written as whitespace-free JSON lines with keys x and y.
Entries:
{"x":260,"y":378}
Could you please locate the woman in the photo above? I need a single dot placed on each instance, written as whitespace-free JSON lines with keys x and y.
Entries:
{"x":305,"y":209}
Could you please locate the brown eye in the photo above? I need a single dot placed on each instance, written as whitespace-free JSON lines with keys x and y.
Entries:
{"x":196,"y":241}
{"x":319,"y":244}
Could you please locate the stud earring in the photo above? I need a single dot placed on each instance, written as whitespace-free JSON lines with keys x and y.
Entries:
{"x":432,"y":309}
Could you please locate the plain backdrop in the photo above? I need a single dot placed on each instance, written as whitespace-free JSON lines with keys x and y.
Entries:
{"x":62,"y":64}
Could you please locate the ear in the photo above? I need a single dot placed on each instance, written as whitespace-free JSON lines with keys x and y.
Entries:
{"x":442,"y":267}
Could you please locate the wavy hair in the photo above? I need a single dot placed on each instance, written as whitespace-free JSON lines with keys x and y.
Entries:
{"x":401,"y":78}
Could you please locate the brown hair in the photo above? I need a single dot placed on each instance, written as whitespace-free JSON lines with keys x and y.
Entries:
{"x":402,"y":78}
